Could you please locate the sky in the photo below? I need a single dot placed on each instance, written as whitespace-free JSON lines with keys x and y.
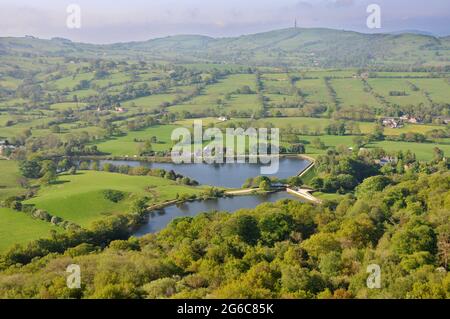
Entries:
{"x":109,"y":21}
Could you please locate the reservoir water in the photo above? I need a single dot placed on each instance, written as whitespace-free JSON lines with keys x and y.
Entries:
{"x":224,"y":175}
{"x":161,"y":218}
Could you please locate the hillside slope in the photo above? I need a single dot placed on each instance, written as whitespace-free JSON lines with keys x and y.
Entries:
{"x":293,"y":47}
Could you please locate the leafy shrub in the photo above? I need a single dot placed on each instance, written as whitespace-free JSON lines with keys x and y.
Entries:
{"x":113,"y":195}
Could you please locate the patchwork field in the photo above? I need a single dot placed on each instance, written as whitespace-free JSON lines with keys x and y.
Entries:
{"x":423,"y":151}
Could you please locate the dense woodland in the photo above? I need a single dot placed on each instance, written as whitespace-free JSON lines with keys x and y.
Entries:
{"x":282,"y":250}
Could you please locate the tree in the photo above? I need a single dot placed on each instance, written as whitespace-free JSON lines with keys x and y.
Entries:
{"x":30,"y":169}
{"x":320,"y":244}
{"x":415,"y":236}
{"x":298,"y":148}
{"x":244,"y":226}
{"x":63,"y":165}
{"x":49,"y":177}
{"x":318,"y":144}
{"x":55,"y":129}
{"x":139,"y":206}
{"x":73,"y":170}
{"x":358,"y":232}
{"x":378,"y":133}
{"x":372,"y":185}
{"x":438,"y":154}
{"x":264,"y":185}
{"x":146,"y":148}
{"x":295,"y":181}
{"x":359,"y":141}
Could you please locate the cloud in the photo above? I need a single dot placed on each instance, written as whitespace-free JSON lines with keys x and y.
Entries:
{"x":127,"y":20}
{"x":344,"y":3}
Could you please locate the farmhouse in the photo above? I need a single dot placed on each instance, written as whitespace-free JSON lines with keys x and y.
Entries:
{"x":411,"y":119}
{"x":392,"y":122}
{"x":386,"y":160}
{"x":4,"y":146}
{"x":120,"y":110}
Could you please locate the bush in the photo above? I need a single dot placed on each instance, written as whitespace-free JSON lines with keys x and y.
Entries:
{"x":42,"y":215}
{"x":113,"y":195}
{"x":55,"y":220}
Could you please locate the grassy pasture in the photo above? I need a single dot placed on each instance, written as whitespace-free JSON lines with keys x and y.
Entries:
{"x":212,"y":94}
{"x":67,"y":105}
{"x":69,"y":82}
{"x":150,"y":103}
{"x":328,"y":73}
{"x":315,"y":90}
{"x":312,"y":123}
{"x":438,"y":89}
{"x":9,"y":185}
{"x":401,"y":74}
{"x":126,"y":145}
{"x":423,"y":151}
{"x":245,"y":103}
{"x":79,"y":198}
{"x":384,"y":86}
{"x":351,"y":92}
{"x":19,"y":228}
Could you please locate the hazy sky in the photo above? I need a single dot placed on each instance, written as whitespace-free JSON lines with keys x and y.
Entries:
{"x":106,"y":21}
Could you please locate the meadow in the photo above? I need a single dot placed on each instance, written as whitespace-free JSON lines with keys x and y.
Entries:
{"x":9,"y":180}
{"x":18,"y":228}
{"x":80,"y":198}
{"x":128,"y":145}
{"x":423,"y":151}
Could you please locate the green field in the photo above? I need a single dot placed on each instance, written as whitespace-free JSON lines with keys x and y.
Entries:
{"x":66,"y":106}
{"x":319,"y":124}
{"x":18,"y":228}
{"x":9,"y":185}
{"x":439,"y":89}
{"x":127,"y":146}
{"x":423,"y":151}
{"x":350,"y":92}
{"x":385,"y":86}
{"x":215,"y":93}
{"x":79,"y":198}
{"x":315,"y":90}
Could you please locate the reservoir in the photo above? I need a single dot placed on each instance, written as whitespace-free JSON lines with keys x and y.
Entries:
{"x":223,"y":175}
{"x":161,"y":218}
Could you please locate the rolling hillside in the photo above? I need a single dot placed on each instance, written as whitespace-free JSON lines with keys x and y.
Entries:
{"x":294,"y":47}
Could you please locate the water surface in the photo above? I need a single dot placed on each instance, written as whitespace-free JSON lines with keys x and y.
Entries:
{"x":159,"y":219}
{"x":224,"y":175}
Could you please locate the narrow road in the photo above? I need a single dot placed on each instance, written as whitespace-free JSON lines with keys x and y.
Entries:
{"x":243,"y":191}
{"x":304,"y":193}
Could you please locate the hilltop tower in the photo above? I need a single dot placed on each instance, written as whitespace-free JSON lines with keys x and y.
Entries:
{"x":295,"y":24}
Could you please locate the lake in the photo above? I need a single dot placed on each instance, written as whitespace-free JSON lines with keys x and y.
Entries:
{"x":159,"y":219}
{"x":224,"y":175}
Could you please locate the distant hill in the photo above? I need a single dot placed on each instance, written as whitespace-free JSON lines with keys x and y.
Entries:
{"x":293,"y":47}
{"x":421,"y":32}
